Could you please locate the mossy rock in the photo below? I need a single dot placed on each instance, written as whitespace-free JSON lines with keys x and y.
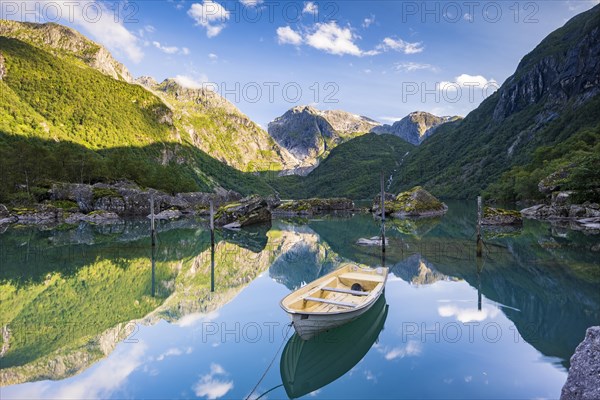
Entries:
{"x":315,"y":206}
{"x":105,"y":192}
{"x":416,"y":202}
{"x":64,"y":204}
{"x":499,"y":216}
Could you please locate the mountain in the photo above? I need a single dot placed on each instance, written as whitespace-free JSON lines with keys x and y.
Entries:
{"x":62,"y":41}
{"x":310,"y":134}
{"x":415,"y":127}
{"x":546,"y":116}
{"x":216,"y":126}
{"x":543,"y":120}
{"x":352,"y":169}
{"x":64,"y":117}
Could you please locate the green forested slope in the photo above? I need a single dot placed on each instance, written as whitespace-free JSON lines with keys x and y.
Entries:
{"x":352,"y":169}
{"x":61,"y":120}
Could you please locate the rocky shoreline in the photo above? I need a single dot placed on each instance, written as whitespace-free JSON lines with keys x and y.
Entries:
{"x":310,"y":207}
{"x":109,"y":203}
{"x":565,"y":212}
{"x":106,"y":204}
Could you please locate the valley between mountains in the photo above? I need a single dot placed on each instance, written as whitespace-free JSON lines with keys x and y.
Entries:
{"x":542,"y":125}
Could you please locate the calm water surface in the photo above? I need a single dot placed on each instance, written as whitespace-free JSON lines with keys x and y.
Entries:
{"x":85,"y":314}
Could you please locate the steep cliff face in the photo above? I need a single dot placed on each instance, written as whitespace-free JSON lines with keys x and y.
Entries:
{"x":545,"y":116}
{"x":309,"y":134}
{"x":565,"y":66}
{"x":63,"y":41}
{"x":415,"y":127}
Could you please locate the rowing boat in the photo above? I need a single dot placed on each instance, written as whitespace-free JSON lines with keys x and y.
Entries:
{"x":308,"y":365}
{"x":334,"y":299}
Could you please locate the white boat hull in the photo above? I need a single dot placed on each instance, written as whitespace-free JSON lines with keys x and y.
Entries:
{"x":335,"y":299}
{"x":308,"y":326}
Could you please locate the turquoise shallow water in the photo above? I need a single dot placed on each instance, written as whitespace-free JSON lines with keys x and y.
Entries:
{"x":79,"y":308}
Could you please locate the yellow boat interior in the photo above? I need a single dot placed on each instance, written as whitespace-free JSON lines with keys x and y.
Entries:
{"x":345,"y":290}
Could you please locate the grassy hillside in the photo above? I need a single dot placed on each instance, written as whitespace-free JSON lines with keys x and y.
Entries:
{"x":352,"y":169}
{"x":214,"y":125}
{"x":72,"y":123}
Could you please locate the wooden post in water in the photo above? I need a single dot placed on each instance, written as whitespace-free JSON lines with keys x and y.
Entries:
{"x":212,"y":247}
{"x":153,"y":240}
{"x":479,"y":217}
{"x":382,"y":214}
{"x":152,"y":228}
{"x":153,"y":269}
{"x":479,"y":269}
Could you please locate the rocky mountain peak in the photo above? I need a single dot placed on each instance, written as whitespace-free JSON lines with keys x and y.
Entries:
{"x":202,"y":96}
{"x":64,"y":41}
{"x":309,"y":133}
{"x":147,"y":81}
{"x":415,"y":127}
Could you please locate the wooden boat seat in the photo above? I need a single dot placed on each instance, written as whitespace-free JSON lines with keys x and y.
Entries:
{"x":348,"y":291}
{"x":355,"y":276}
{"x":335,"y":303}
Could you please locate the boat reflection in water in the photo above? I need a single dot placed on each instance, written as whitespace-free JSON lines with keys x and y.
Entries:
{"x":308,"y":365}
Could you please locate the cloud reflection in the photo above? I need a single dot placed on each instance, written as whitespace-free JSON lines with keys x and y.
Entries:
{"x":210,"y":386}
{"x":100,"y":383}
{"x":412,"y":348}
{"x":465,"y":315}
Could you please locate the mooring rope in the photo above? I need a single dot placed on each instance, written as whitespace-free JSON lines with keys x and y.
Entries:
{"x":269,"y":391}
{"x":270,"y":365}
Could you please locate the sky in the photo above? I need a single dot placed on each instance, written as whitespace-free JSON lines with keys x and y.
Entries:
{"x":381,"y":59}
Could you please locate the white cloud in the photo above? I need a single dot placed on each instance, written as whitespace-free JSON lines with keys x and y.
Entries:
{"x":194,"y":318}
{"x":210,"y":15}
{"x":468,"y":17}
{"x":286,"y":35}
{"x":466,"y":80}
{"x":149,"y":29}
{"x":413,"y":66}
{"x":171,"y":49}
{"x":367,"y":71}
{"x":465,"y":315}
{"x":178,"y":4}
{"x":99,"y":22}
{"x":213,"y":56}
{"x":190,"y":83}
{"x":165,"y":49}
{"x":391,"y":120}
{"x":103,"y":380}
{"x":370,"y":376}
{"x":310,"y":8}
{"x":400,"y":46}
{"x":210,"y":386}
{"x":367,"y":22}
{"x":333,"y":39}
{"x":251,"y":3}
{"x":169,"y":353}
{"x":412,"y":349}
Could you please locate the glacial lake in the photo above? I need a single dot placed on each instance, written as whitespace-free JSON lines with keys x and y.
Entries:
{"x":87,"y":312}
